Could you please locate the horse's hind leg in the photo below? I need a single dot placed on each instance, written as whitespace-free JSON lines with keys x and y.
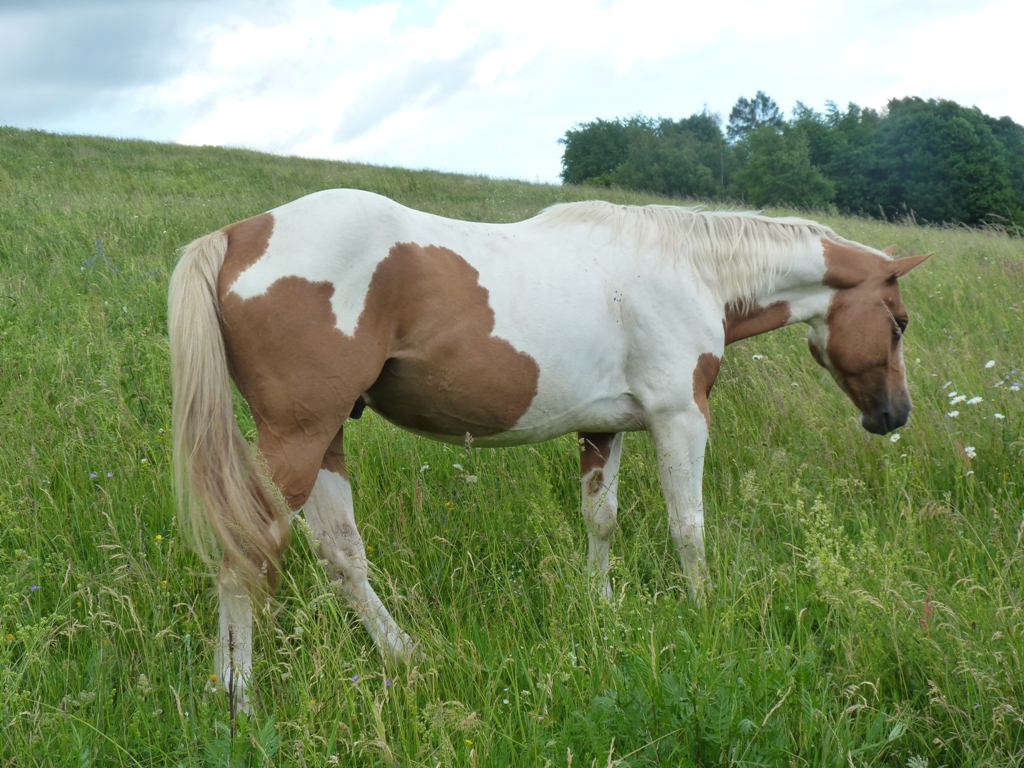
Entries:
{"x":233,"y":658}
{"x":599,"y":481}
{"x":330,"y":515}
{"x":292,"y":463}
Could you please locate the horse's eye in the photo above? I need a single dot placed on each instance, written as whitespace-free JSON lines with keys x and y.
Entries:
{"x":899,"y":329}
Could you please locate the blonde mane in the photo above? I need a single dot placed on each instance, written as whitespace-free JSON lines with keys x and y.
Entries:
{"x":738,"y":254}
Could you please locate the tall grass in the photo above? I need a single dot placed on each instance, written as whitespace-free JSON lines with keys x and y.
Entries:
{"x":865,"y":601}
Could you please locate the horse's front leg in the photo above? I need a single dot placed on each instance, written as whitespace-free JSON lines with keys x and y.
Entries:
{"x":679,"y":440}
{"x":599,"y":481}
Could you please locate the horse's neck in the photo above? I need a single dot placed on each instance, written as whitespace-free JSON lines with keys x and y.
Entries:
{"x":798,"y":295}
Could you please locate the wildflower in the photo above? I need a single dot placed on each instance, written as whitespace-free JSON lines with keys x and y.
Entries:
{"x":970,"y":451}
{"x":159,"y":537}
{"x":387,"y":682}
{"x":144,"y":462}
{"x":10,"y":638}
{"x":110,"y":474}
{"x":424,"y":468}
{"x":958,"y":399}
{"x":33,"y":588}
{"x":471,"y":478}
{"x":469,"y":743}
{"x":458,"y":467}
{"x":1015,"y":387}
{"x":953,"y":414}
{"x":999,"y":416}
{"x":895,"y":437}
{"x":757,"y":357}
{"x":990,"y":364}
{"x":93,"y":475}
{"x":974,"y":401}
{"x":355,"y":678}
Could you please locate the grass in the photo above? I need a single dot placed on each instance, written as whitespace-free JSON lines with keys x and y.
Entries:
{"x":866,"y":599}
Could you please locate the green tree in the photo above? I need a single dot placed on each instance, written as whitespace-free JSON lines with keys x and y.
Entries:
{"x":750,"y":114}
{"x":777,"y":170}
{"x":596,"y":149}
{"x":668,"y":165}
{"x":943,"y":162}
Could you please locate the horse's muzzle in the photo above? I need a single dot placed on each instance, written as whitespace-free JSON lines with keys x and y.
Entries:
{"x":886,"y":418}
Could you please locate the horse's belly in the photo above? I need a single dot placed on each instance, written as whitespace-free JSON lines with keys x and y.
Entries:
{"x":495,"y":404}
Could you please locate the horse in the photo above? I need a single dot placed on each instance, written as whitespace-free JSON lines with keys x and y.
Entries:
{"x":590,"y":317}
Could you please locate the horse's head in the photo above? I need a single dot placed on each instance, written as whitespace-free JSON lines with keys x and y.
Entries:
{"x":859,"y":340}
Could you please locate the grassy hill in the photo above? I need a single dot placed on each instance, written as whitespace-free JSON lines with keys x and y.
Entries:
{"x":866,"y":600}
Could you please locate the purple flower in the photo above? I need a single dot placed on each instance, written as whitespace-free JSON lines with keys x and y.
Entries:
{"x":110,"y":474}
{"x":92,"y":475}
{"x":33,"y":588}
{"x":355,"y":678}
{"x":387,"y":682}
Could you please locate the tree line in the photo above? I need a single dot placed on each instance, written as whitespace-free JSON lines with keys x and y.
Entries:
{"x":934,"y":160}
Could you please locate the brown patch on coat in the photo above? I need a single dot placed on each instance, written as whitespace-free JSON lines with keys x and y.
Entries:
{"x":446,"y":373}
{"x":247,"y":242}
{"x":704,"y":376}
{"x":422,"y":351}
{"x":334,"y":459}
{"x":595,"y":450}
{"x":741,"y":324}
{"x":864,"y":322}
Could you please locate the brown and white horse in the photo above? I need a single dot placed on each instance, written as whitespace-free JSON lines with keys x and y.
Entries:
{"x":590,"y":318}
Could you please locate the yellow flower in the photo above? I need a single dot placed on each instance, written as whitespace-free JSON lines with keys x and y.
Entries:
{"x":213,"y":678}
{"x":10,"y":638}
{"x":159,"y":537}
{"x":469,"y":743}
{"x":164,"y":582}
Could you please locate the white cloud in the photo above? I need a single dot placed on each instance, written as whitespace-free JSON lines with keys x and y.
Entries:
{"x":488,"y":87}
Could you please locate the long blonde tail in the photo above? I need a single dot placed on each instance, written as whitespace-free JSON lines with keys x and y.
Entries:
{"x":221,"y":490}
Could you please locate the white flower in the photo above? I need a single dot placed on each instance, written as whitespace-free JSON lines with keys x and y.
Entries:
{"x":953,"y":414}
{"x":458,"y":467}
{"x":471,"y":478}
{"x":999,"y":416}
{"x":969,"y":450}
{"x":894,"y":438}
{"x":951,"y":394}
{"x":757,"y":357}
{"x":424,"y":468}
{"x":968,"y":473}
{"x":1014,"y":387}
{"x":958,"y":399}
{"x":974,"y":401}
{"x":990,"y":364}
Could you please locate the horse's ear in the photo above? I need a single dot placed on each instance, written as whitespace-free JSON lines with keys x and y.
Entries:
{"x":900,"y":267}
{"x":888,"y":251}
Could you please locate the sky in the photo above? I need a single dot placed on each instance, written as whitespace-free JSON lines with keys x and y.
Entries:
{"x":477,"y":86}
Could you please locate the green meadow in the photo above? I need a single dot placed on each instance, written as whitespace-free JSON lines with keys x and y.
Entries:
{"x":866,"y":605}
